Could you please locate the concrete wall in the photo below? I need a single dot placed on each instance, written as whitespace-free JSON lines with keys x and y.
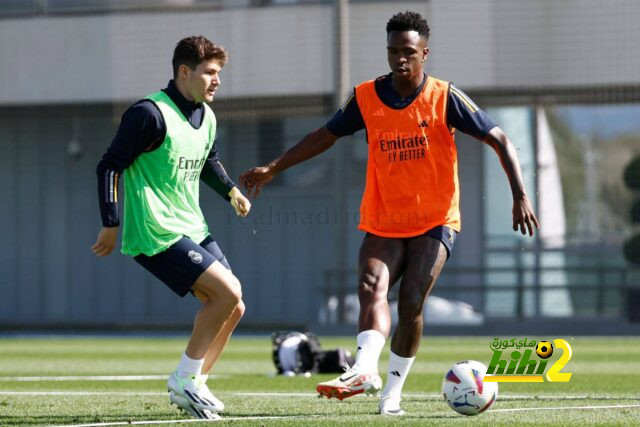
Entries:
{"x":289,"y":50}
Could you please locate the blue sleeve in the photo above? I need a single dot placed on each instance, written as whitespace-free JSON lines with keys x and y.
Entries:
{"x":348,"y":119}
{"x":142,"y":128}
{"x":463,"y":114}
{"x":215,"y":176}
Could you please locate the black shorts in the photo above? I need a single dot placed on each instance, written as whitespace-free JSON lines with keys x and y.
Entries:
{"x":180,"y":265}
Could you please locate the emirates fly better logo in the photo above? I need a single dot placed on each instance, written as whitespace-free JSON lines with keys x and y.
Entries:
{"x":523,"y":366}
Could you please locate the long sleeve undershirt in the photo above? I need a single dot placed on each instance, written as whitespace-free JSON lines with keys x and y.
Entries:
{"x":142,"y":129}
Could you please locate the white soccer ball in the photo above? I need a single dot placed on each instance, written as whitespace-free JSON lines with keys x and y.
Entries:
{"x":465,"y":391}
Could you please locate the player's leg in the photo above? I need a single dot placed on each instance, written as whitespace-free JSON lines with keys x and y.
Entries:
{"x":380,"y":264}
{"x":181,"y":267}
{"x":425,"y":260}
{"x":221,"y":340}
{"x":221,"y":295}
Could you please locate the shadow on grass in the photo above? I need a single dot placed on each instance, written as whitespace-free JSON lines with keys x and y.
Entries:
{"x":27,"y":420}
{"x":21,"y":420}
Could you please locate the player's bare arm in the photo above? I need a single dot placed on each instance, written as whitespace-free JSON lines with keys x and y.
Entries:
{"x":523,"y":217}
{"x":311,"y":145}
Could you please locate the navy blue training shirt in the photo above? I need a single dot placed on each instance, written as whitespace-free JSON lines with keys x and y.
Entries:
{"x":142,"y":129}
{"x":462,"y":113}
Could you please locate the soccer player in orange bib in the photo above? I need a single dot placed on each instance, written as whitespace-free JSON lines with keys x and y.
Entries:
{"x":410,"y":207}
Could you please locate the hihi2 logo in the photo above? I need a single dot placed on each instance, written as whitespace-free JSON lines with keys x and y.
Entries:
{"x":522,"y":366}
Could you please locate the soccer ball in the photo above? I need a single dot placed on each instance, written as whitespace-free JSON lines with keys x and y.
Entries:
{"x":465,"y":391}
{"x":544,"y":349}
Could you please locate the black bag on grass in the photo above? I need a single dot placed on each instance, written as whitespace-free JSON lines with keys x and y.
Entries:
{"x":300,"y":353}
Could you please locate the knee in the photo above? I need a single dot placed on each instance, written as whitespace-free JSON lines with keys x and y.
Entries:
{"x":237,"y":288}
{"x":235,"y":292}
{"x":230,"y":296}
{"x":371,"y":286}
{"x":239,"y":310}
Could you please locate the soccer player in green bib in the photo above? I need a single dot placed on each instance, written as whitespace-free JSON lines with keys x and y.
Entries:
{"x":165,"y":144}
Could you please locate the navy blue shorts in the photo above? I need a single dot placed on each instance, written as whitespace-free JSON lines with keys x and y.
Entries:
{"x":446,"y":235}
{"x":180,"y":265}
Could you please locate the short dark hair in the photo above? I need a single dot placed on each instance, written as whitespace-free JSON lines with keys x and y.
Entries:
{"x":193,"y":50}
{"x":408,"y":21}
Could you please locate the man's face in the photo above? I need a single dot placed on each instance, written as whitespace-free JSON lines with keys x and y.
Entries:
{"x":201,"y":84}
{"x":406,"y":52}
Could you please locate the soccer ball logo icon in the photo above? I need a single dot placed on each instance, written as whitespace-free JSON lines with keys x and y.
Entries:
{"x":544,"y":349}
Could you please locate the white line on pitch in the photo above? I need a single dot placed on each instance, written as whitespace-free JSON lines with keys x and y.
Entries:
{"x":193,"y":420}
{"x":439,"y":396}
{"x":564,"y":407}
{"x":81,"y":393}
{"x":283,"y":394}
{"x":267,"y":394}
{"x":531,"y":396}
{"x":94,"y":378}
{"x":284,"y":417}
{"x":256,"y":394}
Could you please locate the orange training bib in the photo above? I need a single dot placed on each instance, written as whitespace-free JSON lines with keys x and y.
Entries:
{"x":412,"y":169}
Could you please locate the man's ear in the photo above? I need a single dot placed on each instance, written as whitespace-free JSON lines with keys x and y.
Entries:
{"x":425,"y":53}
{"x":183,"y":71}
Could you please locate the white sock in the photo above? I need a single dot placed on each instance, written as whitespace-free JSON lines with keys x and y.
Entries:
{"x":189,"y":366}
{"x":398,"y":370}
{"x":370,"y":344}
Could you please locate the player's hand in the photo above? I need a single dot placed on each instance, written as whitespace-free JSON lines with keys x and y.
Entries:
{"x":106,"y":241}
{"x":254,"y":179}
{"x":240,"y":203}
{"x":523,"y":217}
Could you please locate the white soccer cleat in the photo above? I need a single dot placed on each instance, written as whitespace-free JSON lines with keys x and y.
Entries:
{"x":390,"y":406}
{"x":192,"y":392}
{"x":184,"y":405}
{"x":350,"y":383}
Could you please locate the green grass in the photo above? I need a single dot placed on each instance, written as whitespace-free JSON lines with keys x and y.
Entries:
{"x":606,"y":372}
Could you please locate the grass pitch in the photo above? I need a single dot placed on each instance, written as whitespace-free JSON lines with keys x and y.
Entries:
{"x":121,"y":381}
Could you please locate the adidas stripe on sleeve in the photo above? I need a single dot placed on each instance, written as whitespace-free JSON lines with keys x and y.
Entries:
{"x":464,"y":115}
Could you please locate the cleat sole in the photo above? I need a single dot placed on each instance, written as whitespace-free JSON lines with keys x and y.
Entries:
{"x":337,"y":392}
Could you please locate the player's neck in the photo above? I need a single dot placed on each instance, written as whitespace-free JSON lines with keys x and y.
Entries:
{"x":183,"y":91}
{"x":406,"y":88}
